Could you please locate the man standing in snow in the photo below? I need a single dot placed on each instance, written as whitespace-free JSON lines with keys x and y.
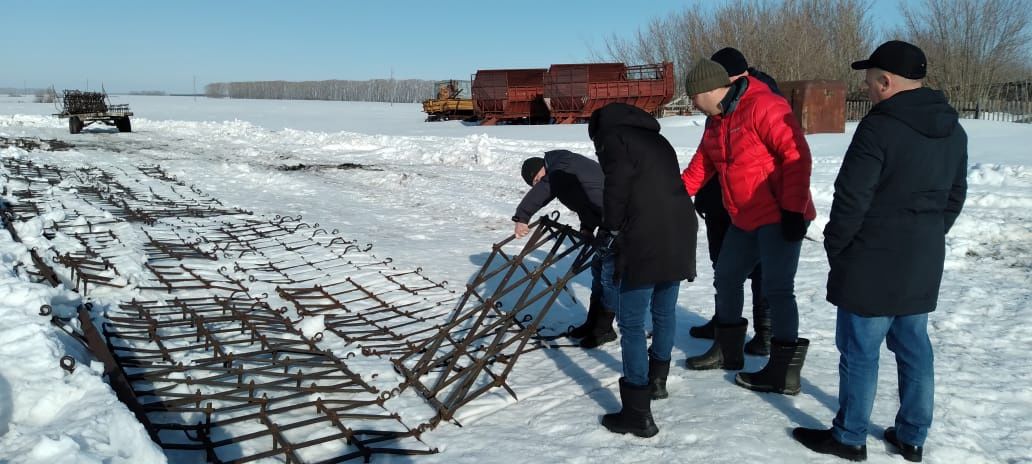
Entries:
{"x":649,"y":225}
{"x":900,"y":188}
{"x":577,"y":182}
{"x":755,"y":146}
{"x":710,"y":207}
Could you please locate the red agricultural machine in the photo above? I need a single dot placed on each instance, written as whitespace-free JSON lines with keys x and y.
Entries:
{"x":574,"y":91}
{"x":568,"y":93}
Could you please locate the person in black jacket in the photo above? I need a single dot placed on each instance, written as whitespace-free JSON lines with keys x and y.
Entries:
{"x":901,"y":186}
{"x":649,"y":225}
{"x":710,"y":207}
{"x":577,"y":182}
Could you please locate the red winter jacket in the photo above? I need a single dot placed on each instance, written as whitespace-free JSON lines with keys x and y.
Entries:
{"x":762,"y":159}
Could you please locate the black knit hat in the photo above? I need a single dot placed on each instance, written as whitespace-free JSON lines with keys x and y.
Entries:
{"x":732,"y":60}
{"x":531,"y":166}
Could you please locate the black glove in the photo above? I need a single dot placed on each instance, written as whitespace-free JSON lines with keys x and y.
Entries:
{"x":793,"y":226}
{"x":605,"y":243}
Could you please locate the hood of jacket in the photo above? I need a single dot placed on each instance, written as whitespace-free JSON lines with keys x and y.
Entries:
{"x":924,"y":110}
{"x":620,"y":115}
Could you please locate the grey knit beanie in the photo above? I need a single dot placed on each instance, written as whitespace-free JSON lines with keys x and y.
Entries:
{"x":706,"y":75}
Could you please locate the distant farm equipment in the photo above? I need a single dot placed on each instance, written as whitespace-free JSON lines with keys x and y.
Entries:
{"x":568,"y":93}
{"x":448,"y":103}
{"x":85,"y":108}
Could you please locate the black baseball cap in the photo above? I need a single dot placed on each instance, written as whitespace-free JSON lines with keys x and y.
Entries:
{"x":897,"y":57}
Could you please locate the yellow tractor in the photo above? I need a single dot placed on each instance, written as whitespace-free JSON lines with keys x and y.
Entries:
{"x":448,"y":104}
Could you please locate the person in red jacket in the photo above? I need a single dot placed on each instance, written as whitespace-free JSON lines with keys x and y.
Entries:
{"x":755,"y":146}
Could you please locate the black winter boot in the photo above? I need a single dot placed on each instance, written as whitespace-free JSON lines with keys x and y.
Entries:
{"x":635,"y":416}
{"x":658,"y":371}
{"x":760,"y":344}
{"x":822,"y":441}
{"x":601,"y":331}
{"x":781,"y":374}
{"x":705,"y":330}
{"x":594,"y":308}
{"x":726,"y":350}
{"x":909,"y":452}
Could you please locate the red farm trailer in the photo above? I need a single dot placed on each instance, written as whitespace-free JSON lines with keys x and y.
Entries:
{"x":573,"y":91}
{"x":511,"y":95}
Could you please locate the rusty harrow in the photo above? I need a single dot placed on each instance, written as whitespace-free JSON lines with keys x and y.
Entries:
{"x":476,"y":349}
{"x":199,"y":366}
{"x":219,"y":374}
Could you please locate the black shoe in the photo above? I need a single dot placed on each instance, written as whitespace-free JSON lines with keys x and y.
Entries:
{"x":581,"y":331}
{"x":760,"y":343}
{"x":726,"y":350}
{"x":821,"y":441}
{"x":635,"y":416}
{"x":705,"y":330}
{"x":781,"y":374}
{"x":601,"y":332}
{"x":909,"y":452}
{"x":658,"y":371}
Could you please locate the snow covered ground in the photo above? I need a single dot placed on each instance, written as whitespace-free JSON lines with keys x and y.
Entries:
{"x":436,"y":196}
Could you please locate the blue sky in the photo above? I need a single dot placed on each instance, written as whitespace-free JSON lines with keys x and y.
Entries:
{"x":162,"y":45}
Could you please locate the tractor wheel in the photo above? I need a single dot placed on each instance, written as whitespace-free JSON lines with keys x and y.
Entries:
{"x":123,"y":124}
{"x":74,"y":125}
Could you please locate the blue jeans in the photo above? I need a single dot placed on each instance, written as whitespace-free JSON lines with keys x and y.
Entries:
{"x":634,"y":302}
{"x":602,"y":285}
{"x":859,"y":341}
{"x":779,"y":258}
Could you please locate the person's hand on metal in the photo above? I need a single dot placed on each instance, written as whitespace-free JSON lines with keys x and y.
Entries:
{"x":605,"y":242}
{"x":521,"y":230}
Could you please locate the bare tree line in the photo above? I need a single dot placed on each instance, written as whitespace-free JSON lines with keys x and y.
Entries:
{"x":970,"y":44}
{"x":378,"y":90}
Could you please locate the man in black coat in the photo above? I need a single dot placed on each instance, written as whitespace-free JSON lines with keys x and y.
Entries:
{"x":649,"y":224}
{"x":709,"y":204}
{"x":577,"y":182}
{"x":900,"y":188}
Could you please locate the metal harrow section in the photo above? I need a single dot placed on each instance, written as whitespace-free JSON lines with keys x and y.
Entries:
{"x":240,"y":338}
{"x":495,"y":322}
{"x":205,"y":368}
{"x":384,"y":313}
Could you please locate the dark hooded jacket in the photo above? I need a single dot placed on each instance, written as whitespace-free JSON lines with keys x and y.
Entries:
{"x":575,"y":180}
{"x":644,"y":199}
{"x":900,"y":188}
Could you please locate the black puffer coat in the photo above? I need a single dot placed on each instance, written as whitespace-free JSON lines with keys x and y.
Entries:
{"x":644,"y":198}
{"x":901,"y":186}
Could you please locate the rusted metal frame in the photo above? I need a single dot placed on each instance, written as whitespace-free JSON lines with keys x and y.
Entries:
{"x":548,"y":282}
{"x":85,"y":271}
{"x":156,"y":172}
{"x":29,"y":169}
{"x":353,"y":335}
{"x":194,"y":281}
{"x":460,"y":394}
{"x":167,"y":249}
{"x":537,"y":238}
{"x":431,"y":284}
{"x":69,"y":226}
{"x":123,"y":389}
{"x":323,"y":413}
{"x":231,"y":390}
